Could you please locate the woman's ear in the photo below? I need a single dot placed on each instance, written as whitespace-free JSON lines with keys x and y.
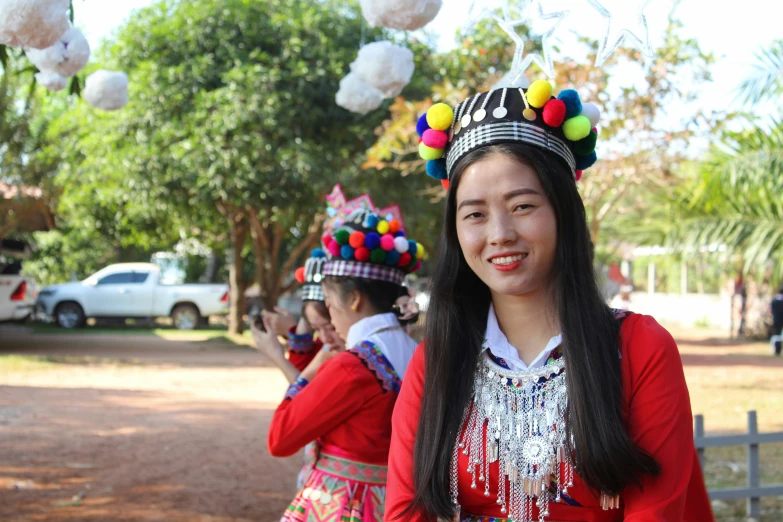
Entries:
{"x":355,"y":299}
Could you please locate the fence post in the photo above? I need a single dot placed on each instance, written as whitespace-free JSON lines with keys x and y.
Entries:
{"x":699,"y":431}
{"x":754,"y":473}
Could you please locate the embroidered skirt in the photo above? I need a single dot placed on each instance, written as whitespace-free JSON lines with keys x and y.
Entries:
{"x":340,"y":490}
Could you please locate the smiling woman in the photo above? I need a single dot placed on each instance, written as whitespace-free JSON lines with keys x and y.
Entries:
{"x":541,"y":403}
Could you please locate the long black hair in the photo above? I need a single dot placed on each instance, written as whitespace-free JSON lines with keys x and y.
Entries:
{"x":606,"y":457}
{"x":382,"y":295}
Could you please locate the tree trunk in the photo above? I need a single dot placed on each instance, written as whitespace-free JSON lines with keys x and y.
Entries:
{"x":236,"y":313}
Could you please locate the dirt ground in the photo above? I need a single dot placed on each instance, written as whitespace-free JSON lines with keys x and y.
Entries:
{"x":138,"y":428}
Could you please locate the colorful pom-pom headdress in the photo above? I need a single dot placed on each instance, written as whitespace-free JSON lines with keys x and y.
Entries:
{"x":562,"y":125}
{"x":310,"y":276}
{"x":370,"y":246}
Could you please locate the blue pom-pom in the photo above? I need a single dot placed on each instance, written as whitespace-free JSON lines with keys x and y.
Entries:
{"x":371,"y":221}
{"x":372,"y":240}
{"x":392,"y":257}
{"x":318,"y":253}
{"x":585,"y":162}
{"x":572,"y":102}
{"x":422,"y":125}
{"x":346,"y":252}
{"x":413,"y":248}
{"x":437,"y":169}
{"x":399,"y":234}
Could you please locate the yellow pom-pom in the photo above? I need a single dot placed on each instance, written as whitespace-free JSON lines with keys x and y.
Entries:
{"x":428,"y":153}
{"x":576,"y":128}
{"x":539,"y":92}
{"x":440,"y":117}
{"x":419,"y":251}
{"x":383,"y":227}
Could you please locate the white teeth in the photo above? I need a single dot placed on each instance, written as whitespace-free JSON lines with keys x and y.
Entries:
{"x":508,"y":259}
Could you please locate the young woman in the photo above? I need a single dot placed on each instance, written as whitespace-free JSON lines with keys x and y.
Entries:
{"x":531,"y":399}
{"x":345,"y":400}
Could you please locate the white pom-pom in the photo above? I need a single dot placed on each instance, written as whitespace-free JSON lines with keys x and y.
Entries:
{"x":401,"y":244}
{"x":592,"y":112}
{"x":357,"y":96}
{"x":406,"y":15}
{"x":65,"y":58}
{"x":107,"y":90}
{"x":33,"y":23}
{"x":51,"y":81}
{"x":384,"y":66}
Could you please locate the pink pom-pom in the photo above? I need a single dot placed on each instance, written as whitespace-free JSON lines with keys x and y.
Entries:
{"x":387,"y":242}
{"x":435,"y":139}
{"x":418,"y":265}
{"x":554,"y":112}
{"x":334,"y":248}
{"x":578,"y":174}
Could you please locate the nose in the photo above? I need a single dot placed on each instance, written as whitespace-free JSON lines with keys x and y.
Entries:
{"x":501,"y":229}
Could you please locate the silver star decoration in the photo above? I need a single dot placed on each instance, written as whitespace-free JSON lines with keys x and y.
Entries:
{"x":480,"y":9}
{"x":533,"y":16}
{"x":625,"y":31}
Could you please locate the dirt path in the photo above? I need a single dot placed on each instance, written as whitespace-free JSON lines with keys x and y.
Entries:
{"x":177,"y":435}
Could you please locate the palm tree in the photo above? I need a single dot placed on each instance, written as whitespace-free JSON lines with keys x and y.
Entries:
{"x":767,"y":80}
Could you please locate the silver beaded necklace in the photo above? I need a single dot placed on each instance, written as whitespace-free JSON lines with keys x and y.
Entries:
{"x":523,"y":413}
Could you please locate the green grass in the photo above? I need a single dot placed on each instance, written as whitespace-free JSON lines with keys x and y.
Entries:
{"x":24,"y":363}
{"x":131,"y":329}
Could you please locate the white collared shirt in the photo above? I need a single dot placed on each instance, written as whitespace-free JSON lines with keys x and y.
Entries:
{"x":385,"y":332}
{"x":497,"y":343}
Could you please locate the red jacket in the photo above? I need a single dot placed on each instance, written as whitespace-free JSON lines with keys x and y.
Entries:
{"x":658,"y":419}
{"x":302,"y":349}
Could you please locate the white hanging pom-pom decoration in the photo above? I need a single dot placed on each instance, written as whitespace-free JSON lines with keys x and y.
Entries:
{"x":357,"y":96}
{"x":406,"y":15}
{"x":107,"y":90}
{"x":36,"y":24}
{"x":384,"y":66}
{"x":51,"y":81}
{"x":67,"y":57}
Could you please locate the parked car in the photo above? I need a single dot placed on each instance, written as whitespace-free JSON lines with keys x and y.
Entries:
{"x":131,"y":290}
{"x":17,"y":292}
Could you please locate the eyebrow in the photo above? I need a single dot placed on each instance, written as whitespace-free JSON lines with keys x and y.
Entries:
{"x":507,"y":196}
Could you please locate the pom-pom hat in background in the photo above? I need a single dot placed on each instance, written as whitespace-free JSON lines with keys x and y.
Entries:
{"x":561,"y":125}
{"x":370,"y":246}
{"x":310,"y":276}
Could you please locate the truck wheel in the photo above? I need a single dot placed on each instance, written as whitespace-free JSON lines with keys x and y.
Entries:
{"x":185,"y":317}
{"x":69,"y":315}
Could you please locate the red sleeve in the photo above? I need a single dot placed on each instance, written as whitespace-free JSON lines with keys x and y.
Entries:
{"x":659,"y":421}
{"x":302,"y":349}
{"x":405,"y":421}
{"x":334,"y":394}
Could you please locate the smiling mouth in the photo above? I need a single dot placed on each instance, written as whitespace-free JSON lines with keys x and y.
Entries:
{"x":507,"y":260}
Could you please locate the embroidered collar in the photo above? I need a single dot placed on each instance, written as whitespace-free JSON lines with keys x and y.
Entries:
{"x":497,"y":343}
{"x":363,"y":329}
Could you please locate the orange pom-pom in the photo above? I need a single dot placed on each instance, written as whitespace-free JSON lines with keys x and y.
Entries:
{"x":394,"y":226}
{"x":445,"y":184}
{"x":356,"y":239}
{"x":300,"y":275}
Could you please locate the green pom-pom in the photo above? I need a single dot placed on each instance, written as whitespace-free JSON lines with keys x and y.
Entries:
{"x":342,"y":236}
{"x":586,"y":145}
{"x":428,"y":153}
{"x":378,"y":256}
{"x":576,"y":128}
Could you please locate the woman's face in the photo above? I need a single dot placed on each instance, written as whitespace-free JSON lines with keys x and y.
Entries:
{"x":506,"y":226}
{"x":326,"y":331}
{"x":343,"y":316}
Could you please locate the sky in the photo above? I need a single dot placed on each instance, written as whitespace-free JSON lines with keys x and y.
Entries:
{"x":733,"y":31}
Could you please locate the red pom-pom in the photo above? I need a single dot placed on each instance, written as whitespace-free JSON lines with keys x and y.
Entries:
{"x":300,"y":275}
{"x":325,"y":240}
{"x":554,"y":112}
{"x":579,"y":174}
{"x":334,"y":248}
{"x":387,"y":242}
{"x":394,"y":226}
{"x":445,"y":184}
{"x":362,"y":254}
{"x":356,"y":239}
{"x":435,"y":139}
{"x":418,"y":265}
{"x":405,"y":259}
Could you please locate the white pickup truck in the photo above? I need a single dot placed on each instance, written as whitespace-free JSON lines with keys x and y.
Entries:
{"x":131,"y":290}
{"x":17,"y":292}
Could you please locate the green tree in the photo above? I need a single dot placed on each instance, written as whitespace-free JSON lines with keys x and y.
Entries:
{"x":766,"y":83}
